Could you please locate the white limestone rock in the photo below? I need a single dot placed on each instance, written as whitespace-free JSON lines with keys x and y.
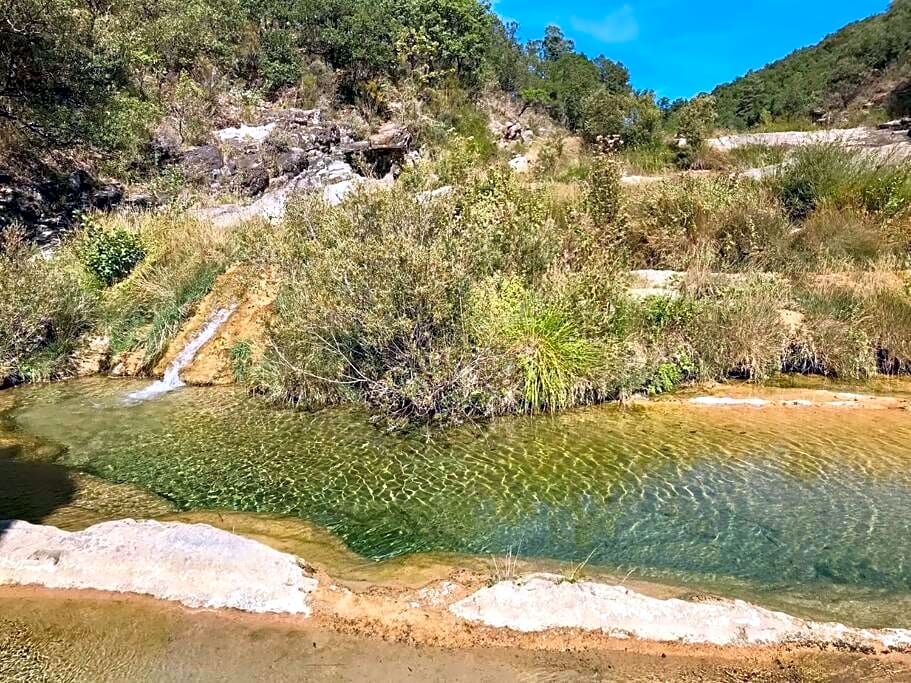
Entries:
{"x":546,"y":602}
{"x":196,"y":565}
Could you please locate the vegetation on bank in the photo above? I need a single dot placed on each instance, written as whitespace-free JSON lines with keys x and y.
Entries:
{"x":510,"y":294}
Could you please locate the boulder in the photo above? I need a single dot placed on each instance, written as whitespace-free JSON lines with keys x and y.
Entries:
{"x":249,"y":174}
{"x":291,"y":162}
{"x":203,"y":163}
{"x":166,"y":142}
{"x":92,"y":357}
{"x":520,"y":164}
{"x":390,"y":136}
{"x":194,"y":564}
{"x":544,"y":602}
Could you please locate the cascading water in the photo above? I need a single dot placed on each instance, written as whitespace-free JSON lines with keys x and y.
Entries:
{"x":171,"y":379}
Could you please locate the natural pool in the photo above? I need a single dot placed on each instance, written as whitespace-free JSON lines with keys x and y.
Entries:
{"x":807,"y":510}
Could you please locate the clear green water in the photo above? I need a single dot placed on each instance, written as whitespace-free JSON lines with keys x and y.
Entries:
{"x":804,"y":509}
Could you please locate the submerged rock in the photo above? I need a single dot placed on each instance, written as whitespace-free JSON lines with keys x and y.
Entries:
{"x":195,"y":565}
{"x":546,"y":602}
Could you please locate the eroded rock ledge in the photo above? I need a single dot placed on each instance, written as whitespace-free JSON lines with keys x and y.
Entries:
{"x":547,"y":602}
{"x":193,"y":564}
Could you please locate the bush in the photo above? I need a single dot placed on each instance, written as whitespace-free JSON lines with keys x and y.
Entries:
{"x":603,"y":191}
{"x":109,"y":255}
{"x":634,"y":117}
{"x":695,"y":121}
{"x":44,"y":308}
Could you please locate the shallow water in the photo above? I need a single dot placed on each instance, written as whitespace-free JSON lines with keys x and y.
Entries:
{"x":803,"y":510}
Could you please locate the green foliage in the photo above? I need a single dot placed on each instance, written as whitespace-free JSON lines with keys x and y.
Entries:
{"x":604,"y":192}
{"x":827,"y":76}
{"x":634,"y":117}
{"x":44,"y":308}
{"x":669,"y":375}
{"x":242,"y":361}
{"x":695,"y":121}
{"x":732,"y":222}
{"x":109,"y":255}
{"x":834,"y":175}
{"x":184,"y":257}
{"x":736,"y":329}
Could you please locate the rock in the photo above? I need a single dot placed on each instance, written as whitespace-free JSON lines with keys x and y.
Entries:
{"x":127,"y":364}
{"x":336,"y":193}
{"x":245,"y":133}
{"x":140,"y":201}
{"x":196,"y":565}
{"x":166,"y":142}
{"x":203,"y":163}
{"x":546,"y":602}
{"x":390,"y":136}
{"x":444,"y":191}
{"x":92,"y":357}
{"x":520,"y":164}
{"x":897,"y":124}
{"x":291,"y":162}
{"x":513,"y":132}
{"x":107,"y":197}
{"x":248,"y":174}
{"x":339,"y":170}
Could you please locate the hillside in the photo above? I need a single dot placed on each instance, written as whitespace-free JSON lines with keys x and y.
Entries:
{"x":864,"y":66}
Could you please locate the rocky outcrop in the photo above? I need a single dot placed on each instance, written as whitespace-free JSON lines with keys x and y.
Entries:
{"x":291,"y":151}
{"x":47,"y":199}
{"x":547,"y":602}
{"x":195,"y":565}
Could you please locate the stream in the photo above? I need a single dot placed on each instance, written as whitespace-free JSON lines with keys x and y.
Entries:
{"x":803,"y":510}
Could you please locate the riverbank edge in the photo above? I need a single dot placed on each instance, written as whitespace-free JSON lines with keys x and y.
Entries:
{"x":200,"y":566}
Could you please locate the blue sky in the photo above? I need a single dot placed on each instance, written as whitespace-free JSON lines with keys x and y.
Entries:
{"x":680,"y":48}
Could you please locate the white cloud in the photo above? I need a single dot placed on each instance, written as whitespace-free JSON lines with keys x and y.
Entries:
{"x":618,"y":27}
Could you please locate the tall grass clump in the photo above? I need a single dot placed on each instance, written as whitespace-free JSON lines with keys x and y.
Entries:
{"x":840,"y":177}
{"x":45,"y":305}
{"x":735,"y":329}
{"x":834,"y":339}
{"x":183,"y":258}
{"x":734,"y":222}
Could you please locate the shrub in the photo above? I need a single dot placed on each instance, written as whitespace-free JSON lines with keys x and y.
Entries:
{"x":557,"y":365}
{"x":242,"y":361}
{"x":634,"y":117}
{"x":834,"y":175}
{"x":44,"y":308}
{"x":109,"y":255}
{"x":816,"y":173}
{"x":603,"y":191}
{"x":379,"y":305}
{"x":695,"y":121}
{"x":833,"y":234}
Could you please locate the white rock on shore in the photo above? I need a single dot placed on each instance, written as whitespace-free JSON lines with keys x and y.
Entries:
{"x":196,"y":565}
{"x":547,"y":602}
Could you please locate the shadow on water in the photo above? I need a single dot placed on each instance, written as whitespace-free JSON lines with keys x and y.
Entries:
{"x":30,"y":490}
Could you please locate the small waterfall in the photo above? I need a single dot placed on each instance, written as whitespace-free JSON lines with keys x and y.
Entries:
{"x":171,"y":379}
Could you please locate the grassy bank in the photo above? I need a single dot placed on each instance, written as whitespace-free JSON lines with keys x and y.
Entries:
{"x":510,"y":294}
